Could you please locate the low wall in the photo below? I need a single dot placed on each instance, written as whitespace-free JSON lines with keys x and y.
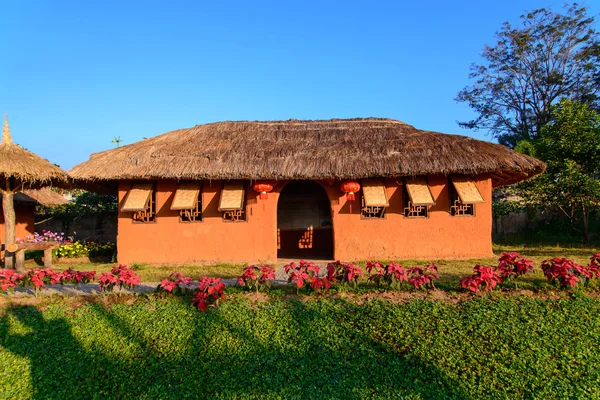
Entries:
{"x":99,"y":228}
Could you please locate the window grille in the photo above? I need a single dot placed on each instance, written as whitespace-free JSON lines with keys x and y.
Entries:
{"x":147,"y":215}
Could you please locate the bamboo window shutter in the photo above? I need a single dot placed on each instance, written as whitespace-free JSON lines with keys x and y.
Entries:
{"x":188,"y":202}
{"x":231,"y":203}
{"x":374,"y":199}
{"x":419,"y":198}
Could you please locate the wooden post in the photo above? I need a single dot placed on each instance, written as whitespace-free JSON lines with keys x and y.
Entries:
{"x":8,"y":207}
{"x":48,"y":258}
{"x":20,"y":261}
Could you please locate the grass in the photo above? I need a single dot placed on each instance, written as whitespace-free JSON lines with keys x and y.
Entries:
{"x":161,"y":347}
{"x":151,"y":273}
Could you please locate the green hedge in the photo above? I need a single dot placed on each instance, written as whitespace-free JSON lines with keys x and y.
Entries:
{"x":284,"y":348}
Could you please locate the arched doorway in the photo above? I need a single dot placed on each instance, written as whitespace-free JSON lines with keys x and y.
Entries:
{"x":304,"y":225}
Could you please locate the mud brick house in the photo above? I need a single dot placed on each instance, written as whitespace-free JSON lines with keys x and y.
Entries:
{"x":349,"y":189}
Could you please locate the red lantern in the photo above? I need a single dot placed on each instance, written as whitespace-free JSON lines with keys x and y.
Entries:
{"x":350,"y":187}
{"x":263,"y":188}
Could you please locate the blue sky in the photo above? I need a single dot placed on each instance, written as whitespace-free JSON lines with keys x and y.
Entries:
{"x":75,"y":74}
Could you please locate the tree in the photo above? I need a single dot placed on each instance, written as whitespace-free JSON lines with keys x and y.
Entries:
{"x":551,"y":56}
{"x":85,"y":204}
{"x":570,"y":145}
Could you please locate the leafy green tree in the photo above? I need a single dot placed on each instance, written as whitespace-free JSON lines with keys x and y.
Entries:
{"x":570,"y":145}
{"x":85,"y":203}
{"x":549,"y":57}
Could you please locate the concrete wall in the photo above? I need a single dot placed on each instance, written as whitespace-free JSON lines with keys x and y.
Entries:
{"x":213,"y":240}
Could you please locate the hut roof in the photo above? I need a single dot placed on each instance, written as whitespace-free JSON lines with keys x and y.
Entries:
{"x":44,"y":196}
{"x":24,"y":166}
{"x":295,"y":149}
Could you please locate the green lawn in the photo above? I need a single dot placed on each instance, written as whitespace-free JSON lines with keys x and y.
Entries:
{"x":158,"y":347}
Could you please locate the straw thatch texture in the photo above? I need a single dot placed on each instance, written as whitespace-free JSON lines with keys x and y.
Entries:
{"x":334,"y":149}
{"x":44,"y":197}
{"x":24,"y":166}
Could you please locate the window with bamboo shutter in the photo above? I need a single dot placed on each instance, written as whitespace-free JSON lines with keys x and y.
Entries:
{"x":463,"y":196}
{"x":232,"y":203}
{"x":141,"y":201}
{"x":417,"y":197}
{"x":374,"y":199}
{"x":188,"y":201}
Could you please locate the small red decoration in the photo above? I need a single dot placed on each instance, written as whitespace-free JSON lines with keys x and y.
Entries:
{"x":263,"y":188}
{"x":350,"y":187}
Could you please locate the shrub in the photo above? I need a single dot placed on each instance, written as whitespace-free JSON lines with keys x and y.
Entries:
{"x":46,"y":236}
{"x":120,"y":275}
{"x":422,"y":277}
{"x":38,"y":278}
{"x":251,"y":280}
{"x":565,"y":272}
{"x":306,"y":274}
{"x":85,"y":249}
{"x":392,"y":274}
{"x":175,"y":283}
{"x":301,"y":272}
{"x":320,"y":283}
{"x":73,"y":277}
{"x":513,"y":265}
{"x":209,"y":292}
{"x":376,"y":272}
{"x":96,"y":249}
{"x":484,"y":276}
{"x":72,"y":250}
{"x":594,"y":266}
{"x":344,"y":273}
{"x":9,"y":278}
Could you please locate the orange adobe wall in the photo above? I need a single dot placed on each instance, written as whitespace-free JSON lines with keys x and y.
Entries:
{"x":24,"y":226}
{"x":397,"y":237}
{"x":394,"y":237}
{"x":212,"y":240}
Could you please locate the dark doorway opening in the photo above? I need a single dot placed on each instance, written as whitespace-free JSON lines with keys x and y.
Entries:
{"x":304,"y":225}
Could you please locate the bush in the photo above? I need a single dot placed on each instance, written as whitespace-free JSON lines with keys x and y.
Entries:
{"x":566,"y":273}
{"x":120,"y":275}
{"x":423,"y":277}
{"x":9,"y":279}
{"x":392,"y":275}
{"x":38,"y":278}
{"x":175,"y":283}
{"x":512,"y":265}
{"x":85,"y":249}
{"x":344,"y":273}
{"x":306,"y":274}
{"x":73,"y":277}
{"x":209,"y":292}
{"x":72,"y":250}
{"x":46,"y":236}
{"x":484,"y":276}
{"x":254,"y":277}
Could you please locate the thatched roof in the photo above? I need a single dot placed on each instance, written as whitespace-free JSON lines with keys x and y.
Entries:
{"x":333,"y":149}
{"x":44,"y":197}
{"x":26,"y":167}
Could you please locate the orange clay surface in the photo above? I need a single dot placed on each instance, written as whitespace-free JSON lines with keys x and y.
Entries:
{"x":440,"y":236}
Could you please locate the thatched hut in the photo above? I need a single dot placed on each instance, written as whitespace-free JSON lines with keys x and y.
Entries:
{"x":21,"y":169}
{"x":256,"y":191}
